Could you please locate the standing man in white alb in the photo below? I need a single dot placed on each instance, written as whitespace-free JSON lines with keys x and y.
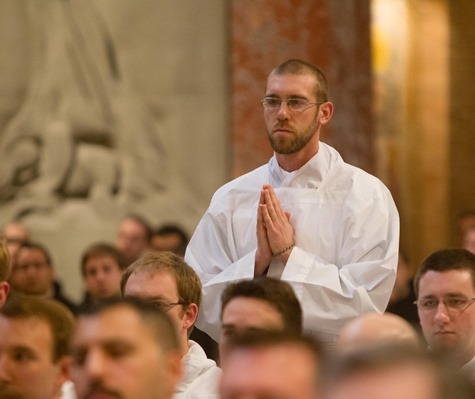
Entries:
{"x":329,"y":229}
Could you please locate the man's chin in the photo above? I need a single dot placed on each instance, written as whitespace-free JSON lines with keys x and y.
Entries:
{"x":101,"y":393}
{"x":445,"y":346}
{"x":6,"y":393}
{"x":283,"y":147}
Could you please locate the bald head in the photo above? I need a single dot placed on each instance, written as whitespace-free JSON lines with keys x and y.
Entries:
{"x":373,"y":329}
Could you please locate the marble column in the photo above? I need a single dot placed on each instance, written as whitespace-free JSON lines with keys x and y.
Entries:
{"x":335,"y":36}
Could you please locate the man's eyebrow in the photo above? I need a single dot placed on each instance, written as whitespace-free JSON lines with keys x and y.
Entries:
{"x":22,"y":347}
{"x":147,"y":298}
{"x":228,"y":326}
{"x":455,"y":294}
{"x":448,"y":294}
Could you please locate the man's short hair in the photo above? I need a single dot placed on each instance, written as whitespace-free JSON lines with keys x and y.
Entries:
{"x":252,"y":339}
{"x":4,"y":260}
{"x":265,"y":339}
{"x":277,"y":293}
{"x":300,"y":67}
{"x":167,"y":229}
{"x":446,"y":260}
{"x":188,"y":282}
{"x":39,"y":247}
{"x":173,"y":229}
{"x":143,"y":222}
{"x":58,"y":317}
{"x":156,"y":319}
{"x":102,"y":249}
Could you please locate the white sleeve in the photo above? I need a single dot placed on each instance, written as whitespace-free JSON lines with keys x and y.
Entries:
{"x":360,"y":281}
{"x":211,"y":252}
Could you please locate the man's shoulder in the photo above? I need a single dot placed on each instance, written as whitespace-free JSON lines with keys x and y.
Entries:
{"x":355,"y":180}
{"x":202,"y":375}
{"x":247,"y":183}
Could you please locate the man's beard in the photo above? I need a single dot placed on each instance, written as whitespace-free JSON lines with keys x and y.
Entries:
{"x":291,"y":145}
{"x":6,"y":393}
{"x":98,"y":387}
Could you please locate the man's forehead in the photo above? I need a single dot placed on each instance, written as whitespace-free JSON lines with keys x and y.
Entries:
{"x":251,"y":312}
{"x":116,"y":320}
{"x":143,"y":281}
{"x":297,"y":77}
{"x":30,"y":332}
{"x":27,"y":252}
{"x":100,"y":260}
{"x":132,"y":225}
{"x":453,"y":280}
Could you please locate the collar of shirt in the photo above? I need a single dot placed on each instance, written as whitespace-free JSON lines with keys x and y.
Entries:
{"x":308,"y":176}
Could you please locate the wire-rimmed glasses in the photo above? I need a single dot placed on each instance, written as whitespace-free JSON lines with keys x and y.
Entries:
{"x":295,"y":104}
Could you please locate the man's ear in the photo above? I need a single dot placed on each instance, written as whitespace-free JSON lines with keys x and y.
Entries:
{"x":4,"y":290}
{"x":326,"y":112}
{"x":64,"y":369}
{"x":191,"y":313}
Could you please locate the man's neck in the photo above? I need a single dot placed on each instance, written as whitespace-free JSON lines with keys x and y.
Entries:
{"x":466,"y":357}
{"x":459,"y":357}
{"x":185,"y":345}
{"x":293,"y":162}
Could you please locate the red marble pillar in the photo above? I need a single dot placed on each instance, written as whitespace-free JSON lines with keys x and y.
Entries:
{"x":335,"y":36}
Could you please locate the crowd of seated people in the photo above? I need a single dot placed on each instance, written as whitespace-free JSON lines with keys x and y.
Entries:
{"x":145,"y":311}
{"x":141,"y":302}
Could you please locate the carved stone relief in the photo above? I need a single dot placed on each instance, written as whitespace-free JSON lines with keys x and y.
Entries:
{"x":122,"y":108}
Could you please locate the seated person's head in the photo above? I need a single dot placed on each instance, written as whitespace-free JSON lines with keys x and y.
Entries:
{"x":133,"y":237}
{"x":32,"y":272}
{"x":125,"y":349}
{"x":258,"y":304}
{"x":167,"y":281}
{"x":404,"y":275}
{"x":465,"y":222}
{"x":374,"y":329}
{"x":392,"y":371}
{"x":271,"y":364}
{"x":34,"y":347}
{"x":15,"y":234}
{"x":170,"y":237}
{"x":102,"y":266}
{"x":445,"y":291}
{"x":469,"y":240}
{"x":4,"y":272}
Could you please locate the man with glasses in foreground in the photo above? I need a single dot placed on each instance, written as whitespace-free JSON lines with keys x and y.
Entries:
{"x":329,"y":229}
{"x":445,"y":290}
{"x":164,"y":280}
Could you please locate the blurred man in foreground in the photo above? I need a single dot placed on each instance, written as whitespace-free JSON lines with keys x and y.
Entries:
{"x":270,"y":364}
{"x":125,"y":349}
{"x":264,"y":304}
{"x":34,"y":334}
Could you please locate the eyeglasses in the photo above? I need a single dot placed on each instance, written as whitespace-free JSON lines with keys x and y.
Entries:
{"x":294,"y":104}
{"x":24,"y":267}
{"x":163,"y":305}
{"x":455,"y":304}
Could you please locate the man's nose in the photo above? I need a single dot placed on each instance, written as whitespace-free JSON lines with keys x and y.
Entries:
{"x":95,"y":364}
{"x":442,"y":312}
{"x":283,"y":110}
{"x":4,"y":369}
